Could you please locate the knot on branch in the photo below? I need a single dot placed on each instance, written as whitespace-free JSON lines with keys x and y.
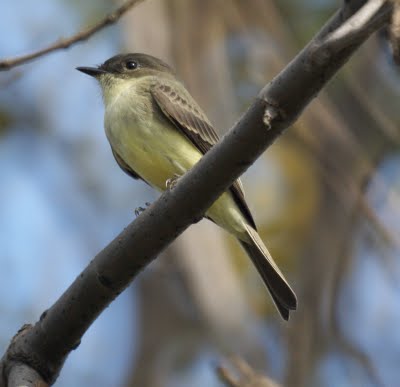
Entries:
{"x":20,"y":353}
{"x":270,"y":114}
{"x":17,"y":354}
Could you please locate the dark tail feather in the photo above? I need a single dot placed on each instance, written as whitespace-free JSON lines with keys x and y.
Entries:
{"x":282,"y":294}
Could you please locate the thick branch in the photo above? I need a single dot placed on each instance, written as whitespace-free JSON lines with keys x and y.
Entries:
{"x":113,"y":17}
{"x":45,"y":345}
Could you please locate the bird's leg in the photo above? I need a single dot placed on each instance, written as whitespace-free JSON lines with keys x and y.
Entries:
{"x":140,"y":209}
{"x":171,"y":183}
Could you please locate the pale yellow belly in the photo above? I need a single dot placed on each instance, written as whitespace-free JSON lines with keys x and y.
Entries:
{"x":159,"y":154}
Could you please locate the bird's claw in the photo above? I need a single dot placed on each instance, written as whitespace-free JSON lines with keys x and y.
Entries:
{"x":140,"y":209}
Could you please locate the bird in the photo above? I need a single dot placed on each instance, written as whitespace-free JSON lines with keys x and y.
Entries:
{"x":157,"y":132}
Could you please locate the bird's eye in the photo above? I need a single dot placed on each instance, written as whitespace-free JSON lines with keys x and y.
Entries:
{"x":131,"y":65}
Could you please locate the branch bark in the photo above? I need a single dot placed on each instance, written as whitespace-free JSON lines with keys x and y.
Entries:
{"x":22,"y":375}
{"x":111,"y":18}
{"x":45,"y":345}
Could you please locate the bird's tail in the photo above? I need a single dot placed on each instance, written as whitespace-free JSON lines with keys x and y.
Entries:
{"x":282,"y":294}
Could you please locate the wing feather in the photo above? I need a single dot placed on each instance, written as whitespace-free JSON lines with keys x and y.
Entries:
{"x":181,"y":109}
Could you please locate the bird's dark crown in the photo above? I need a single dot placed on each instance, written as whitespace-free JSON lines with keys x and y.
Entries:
{"x":134,"y":64}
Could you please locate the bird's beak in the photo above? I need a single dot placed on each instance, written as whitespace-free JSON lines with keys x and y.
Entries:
{"x":92,"y":71}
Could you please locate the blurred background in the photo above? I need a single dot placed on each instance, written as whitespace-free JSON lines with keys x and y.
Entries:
{"x":326,"y":197}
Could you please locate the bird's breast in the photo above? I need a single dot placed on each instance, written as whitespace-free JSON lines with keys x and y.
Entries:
{"x":148,"y":142}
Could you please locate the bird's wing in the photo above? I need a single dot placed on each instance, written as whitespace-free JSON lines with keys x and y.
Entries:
{"x":182,"y":110}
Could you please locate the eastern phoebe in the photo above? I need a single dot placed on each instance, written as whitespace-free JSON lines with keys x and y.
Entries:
{"x":158,"y":132}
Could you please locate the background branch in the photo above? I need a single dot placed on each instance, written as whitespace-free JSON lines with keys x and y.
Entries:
{"x":46,"y":345}
{"x":111,"y":18}
{"x":394,"y":32}
{"x":242,"y":375}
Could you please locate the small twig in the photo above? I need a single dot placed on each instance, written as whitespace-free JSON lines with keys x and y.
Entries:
{"x":85,"y":34}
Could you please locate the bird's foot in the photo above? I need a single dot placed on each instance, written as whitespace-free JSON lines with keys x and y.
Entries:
{"x":140,"y":209}
{"x":171,"y":183}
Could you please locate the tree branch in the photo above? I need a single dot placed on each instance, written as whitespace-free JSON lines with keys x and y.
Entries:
{"x":22,"y":375}
{"x":111,"y":18}
{"x":45,"y":345}
{"x":355,"y":27}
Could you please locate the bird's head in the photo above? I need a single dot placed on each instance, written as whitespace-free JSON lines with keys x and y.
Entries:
{"x":124,"y":67}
